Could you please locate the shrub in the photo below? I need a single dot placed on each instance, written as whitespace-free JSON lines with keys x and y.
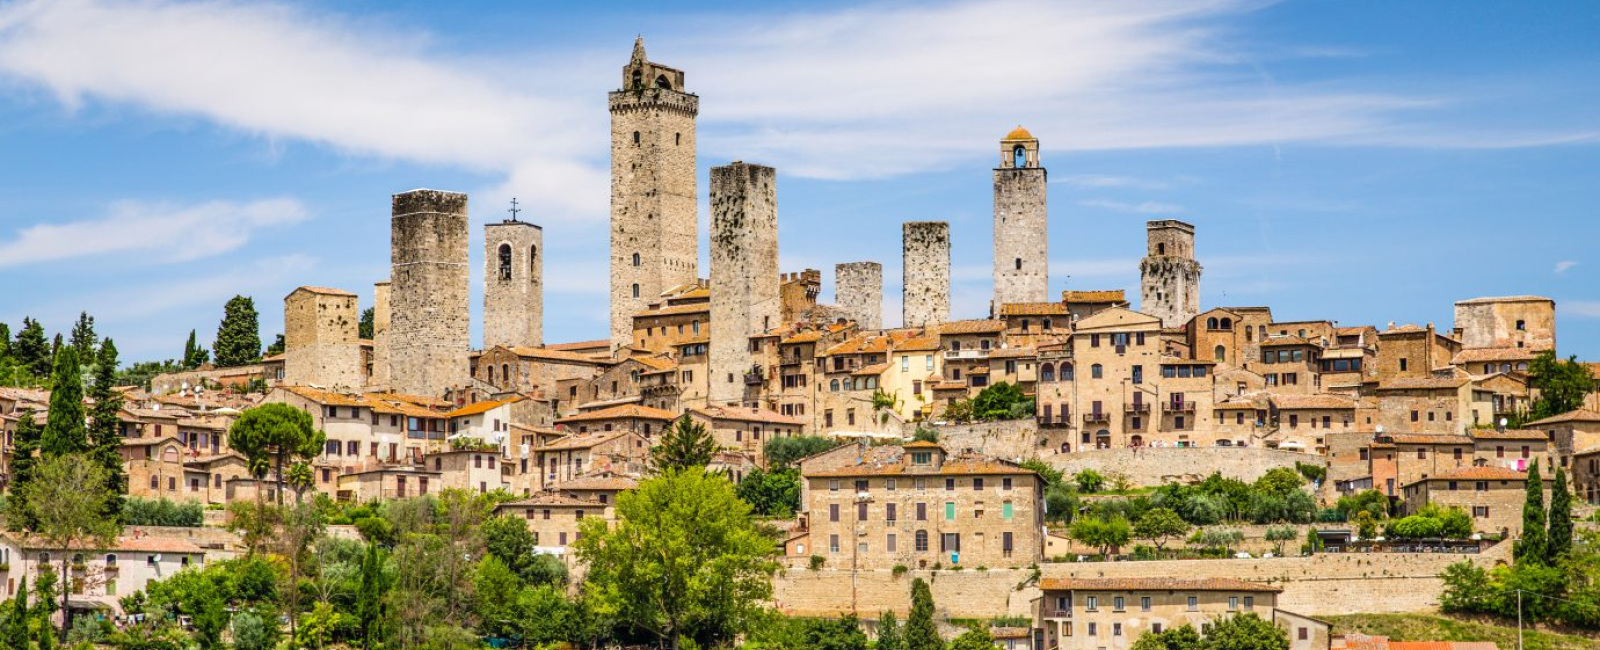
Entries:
{"x":1089,"y":481}
{"x":162,"y":512}
{"x":817,"y":561}
{"x":900,"y":570}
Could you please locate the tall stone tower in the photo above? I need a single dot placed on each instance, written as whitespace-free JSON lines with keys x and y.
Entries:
{"x":654,"y":232}
{"x":858,"y":292}
{"x":744,"y":273}
{"x":429,"y":317}
{"x":320,"y":342}
{"x":1171,"y":276}
{"x":926,"y":270}
{"x":380,"y":336}
{"x":1021,"y":241}
{"x":513,"y":284}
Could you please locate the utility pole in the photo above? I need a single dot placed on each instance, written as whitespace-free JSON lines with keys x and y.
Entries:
{"x":1519,"y":619}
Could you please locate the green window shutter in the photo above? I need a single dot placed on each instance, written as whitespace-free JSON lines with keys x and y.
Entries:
{"x":1005,"y":510}
{"x":950,"y":511}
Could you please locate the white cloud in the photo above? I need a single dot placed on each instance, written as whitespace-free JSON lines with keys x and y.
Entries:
{"x":1145,"y":207}
{"x":1100,"y":181}
{"x":1583,"y":308}
{"x":151,"y":232}
{"x":1564,"y":265}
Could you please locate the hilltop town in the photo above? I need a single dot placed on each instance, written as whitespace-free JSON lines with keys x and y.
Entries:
{"x":1075,"y":470}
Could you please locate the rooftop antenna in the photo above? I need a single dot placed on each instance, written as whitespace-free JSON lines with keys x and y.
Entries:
{"x":514,"y":209}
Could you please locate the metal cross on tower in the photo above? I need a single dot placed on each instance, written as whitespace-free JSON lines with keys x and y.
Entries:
{"x":514,"y":209}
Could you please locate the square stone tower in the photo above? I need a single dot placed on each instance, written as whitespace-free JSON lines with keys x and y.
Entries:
{"x":926,"y":287}
{"x":321,"y":346}
{"x":380,"y":336}
{"x":1021,"y":224}
{"x":1170,"y":288}
{"x":654,"y":232}
{"x":744,"y":274}
{"x":513,"y":284}
{"x":858,"y":292}
{"x":430,"y":319}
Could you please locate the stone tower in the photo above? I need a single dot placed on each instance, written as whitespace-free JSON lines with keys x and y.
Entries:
{"x":429,"y":315}
{"x":654,"y":232}
{"x":513,"y":284}
{"x":1021,"y":242}
{"x":858,"y":292}
{"x":380,"y":336}
{"x":321,"y":346}
{"x":744,"y":273}
{"x":1171,"y":276}
{"x":927,"y":273}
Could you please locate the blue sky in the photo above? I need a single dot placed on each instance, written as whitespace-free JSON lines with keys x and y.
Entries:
{"x":1359,"y":161}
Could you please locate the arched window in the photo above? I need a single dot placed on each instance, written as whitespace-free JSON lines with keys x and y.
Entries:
{"x":491,"y":374}
{"x":635,"y":259}
{"x":505,"y":372}
{"x":1136,"y":441}
{"x":1505,"y":367}
{"x":1221,"y":354}
{"x":636,"y":290}
{"x":922,"y":540}
{"x":833,"y":385}
{"x":638,"y":78}
{"x":1161,"y":249}
{"x":1522,"y":365}
{"x":661,"y":82}
{"x":1066,"y":372}
{"x":1047,"y":372}
{"x":1019,"y":156}
{"x":1227,"y":323}
{"x":1249,"y":334}
{"x":1095,"y":371}
{"x":1211,"y":323}
{"x":505,"y":261}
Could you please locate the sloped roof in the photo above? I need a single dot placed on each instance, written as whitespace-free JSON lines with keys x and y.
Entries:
{"x":482,"y":407}
{"x":624,"y":411}
{"x":746,"y":415}
{"x":1580,"y":415}
{"x":1153,"y":584}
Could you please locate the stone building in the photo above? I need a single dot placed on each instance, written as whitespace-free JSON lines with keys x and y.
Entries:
{"x":1585,"y":465}
{"x":579,"y":455}
{"x":379,"y":377}
{"x":513,"y":284}
{"x":1570,"y":433}
{"x":858,"y":291}
{"x":1097,"y":613}
{"x":1527,"y":322}
{"x":1021,"y":223}
{"x":1493,"y":496}
{"x":321,"y":345}
{"x":744,"y":272}
{"x":555,"y":519}
{"x":654,"y":231}
{"x":1409,"y":351}
{"x":926,"y":269}
{"x":1170,"y":285}
{"x":429,"y":317}
{"x":746,"y":429}
{"x":100,"y":579}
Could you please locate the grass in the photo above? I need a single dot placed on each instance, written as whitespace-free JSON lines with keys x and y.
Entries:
{"x":1425,"y":627}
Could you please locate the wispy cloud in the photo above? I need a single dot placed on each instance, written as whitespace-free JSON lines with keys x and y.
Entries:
{"x":1145,"y":207}
{"x":1564,"y":265}
{"x":1102,"y":181}
{"x":1581,"y":308}
{"x":155,"y":232}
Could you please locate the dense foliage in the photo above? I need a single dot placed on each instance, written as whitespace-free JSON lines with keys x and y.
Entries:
{"x":162,"y":512}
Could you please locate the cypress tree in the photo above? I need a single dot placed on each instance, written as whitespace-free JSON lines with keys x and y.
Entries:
{"x":1559,"y":540}
{"x":32,"y":349}
{"x":16,"y":629}
{"x":367,"y":325}
{"x":64,"y":431}
{"x":5,"y":340}
{"x":1534,"y":545}
{"x":370,"y":598}
{"x":104,"y":437}
{"x":83,"y":338}
{"x":24,"y":456}
{"x":890,"y":637}
{"x":920,"y":631}
{"x":238,"y":336}
{"x":55,"y":349}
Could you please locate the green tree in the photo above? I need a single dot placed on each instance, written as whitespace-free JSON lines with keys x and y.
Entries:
{"x":977,"y":638}
{"x":687,"y":443}
{"x":1561,"y":385}
{"x":1002,"y":401}
{"x":1183,"y":637}
{"x":370,"y":612}
{"x":771,"y":494}
{"x":1559,"y":540}
{"x":1246,"y":631}
{"x":684,"y":559}
{"x":1467,"y":589}
{"x":275,"y":435}
{"x":785,"y":452}
{"x":68,"y":499}
{"x":842,"y":633}
{"x":194,"y":354}
{"x":1158,"y":525}
{"x":239,"y":335}
{"x":24,"y":458}
{"x":890,"y":634}
{"x":1280,"y":480}
{"x":83,"y":338}
{"x":105,"y":438}
{"x":1278,"y":535}
{"x":17,"y":636}
{"x":1103,"y":534}
{"x":920,"y":632}
{"x":366,"y":326}
{"x":32,"y":348}
{"x":64,"y":430}
{"x":509,"y":539}
{"x":1534,"y":544}
{"x":277,"y":346}
{"x":1089,"y":481}
{"x":253,"y":631}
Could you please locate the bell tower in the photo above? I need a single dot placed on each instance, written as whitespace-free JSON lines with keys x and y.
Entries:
{"x":1021,"y":223}
{"x":654,"y":233}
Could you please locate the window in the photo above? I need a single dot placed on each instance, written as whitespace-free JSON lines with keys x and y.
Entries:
{"x":833,"y":512}
{"x":636,"y":290}
{"x":922,"y":512}
{"x":1096,"y":372}
{"x":1481,"y":512}
{"x":1249,"y":602}
{"x":1117,"y":603}
{"x":1138,"y":374}
{"x":1402,"y":365}
{"x":977,"y":483}
{"x":890,"y":544}
{"x":1005,"y":510}
{"x":922,"y":539}
{"x":889,"y":513}
{"x":950,"y":511}
{"x":1144,"y":603}
{"x":1092,"y":603}
{"x":1094,"y":629}
{"x":1194,"y":604}
{"x":833,"y":543}
{"x":1303,"y":633}
{"x":1005,"y":483}
{"x":1233,"y":603}
{"x":1116,"y":629}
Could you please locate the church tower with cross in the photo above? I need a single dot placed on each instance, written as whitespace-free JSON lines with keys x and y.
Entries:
{"x":513,"y":282}
{"x":654,"y":231}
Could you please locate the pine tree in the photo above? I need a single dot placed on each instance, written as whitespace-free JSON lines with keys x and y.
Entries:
{"x":920,"y":632}
{"x":1559,"y":540}
{"x":32,"y":349}
{"x":238,"y":336}
{"x":370,"y":598}
{"x":84,"y":340}
{"x":890,"y":636}
{"x":64,"y":431}
{"x":194,"y":354}
{"x":367,"y":326}
{"x":276,"y":347}
{"x":16,"y":626}
{"x":24,"y":456}
{"x":686,"y":443}
{"x":1534,"y":545}
{"x":104,"y":437}
{"x":5,"y":340}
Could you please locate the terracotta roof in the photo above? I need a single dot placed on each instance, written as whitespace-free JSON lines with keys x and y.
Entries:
{"x":1319,"y":401}
{"x":922,"y":444}
{"x":1344,"y":353}
{"x":1402,"y":329}
{"x":747,"y":415}
{"x":874,"y":369}
{"x":657,"y":363}
{"x":605,"y":482}
{"x":868,"y":343}
{"x":1285,"y":339}
{"x":1032,"y":309}
{"x":132,"y":542}
{"x":808,"y":336}
{"x":1427,"y":439}
{"x":624,"y":411}
{"x":973,"y":327}
{"x":1424,"y":383}
{"x":1475,"y":355}
{"x":1093,"y":296}
{"x":1153,"y":584}
{"x":949,"y":385}
{"x":580,"y":345}
{"x":676,"y":310}
{"x":1019,"y":133}
{"x":482,"y":407}
{"x":1508,"y":434}
{"x":962,"y":465}
{"x":1477,"y":474}
{"x":323,"y":290}
{"x":551,"y":354}
{"x":274,"y":357}
{"x":552,"y":499}
{"x":918,"y":344}
{"x":582,"y":440}
{"x":1013,"y":353}
{"x":1580,"y":415}
{"x":1233,"y":405}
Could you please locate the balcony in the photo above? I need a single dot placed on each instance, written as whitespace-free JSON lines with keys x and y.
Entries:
{"x":1096,"y":417}
{"x":1180,"y":407}
{"x":966,"y":354}
{"x":1136,"y":407}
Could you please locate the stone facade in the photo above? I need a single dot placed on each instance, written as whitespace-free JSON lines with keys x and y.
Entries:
{"x":1512,"y":322}
{"x":321,"y":346}
{"x":744,"y":270}
{"x":858,"y":290}
{"x":926,"y":286}
{"x":654,"y":231}
{"x":1493,"y":496}
{"x":1021,"y":223}
{"x":513,"y":284}
{"x":430,"y":317}
{"x":1170,"y":288}
{"x":1093,"y":613}
{"x":380,"y":336}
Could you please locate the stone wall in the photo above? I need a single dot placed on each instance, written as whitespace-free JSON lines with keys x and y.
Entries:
{"x":858,"y":290}
{"x":744,"y":272}
{"x":926,"y":269}
{"x":1008,"y":439}
{"x":1021,"y":244}
{"x":1493,"y":322}
{"x":380,"y":335}
{"x":513,"y":284}
{"x":429,"y":320}
{"x":1159,"y":465}
{"x":1170,"y":276}
{"x":321,"y":346}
